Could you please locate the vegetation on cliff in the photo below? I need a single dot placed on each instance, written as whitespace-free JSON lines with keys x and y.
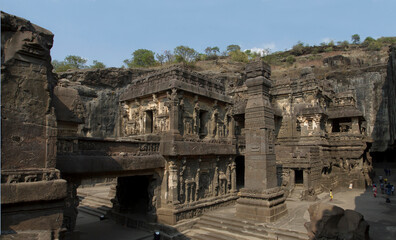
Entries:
{"x":143,"y":58}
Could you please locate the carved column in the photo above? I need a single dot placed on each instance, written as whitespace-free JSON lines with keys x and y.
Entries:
{"x":355,"y":126}
{"x":71,"y":203}
{"x":172,"y":182}
{"x":306,"y":178}
{"x":261,"y":200}
{"x":233,"y":176}
{"x":174,"y":112}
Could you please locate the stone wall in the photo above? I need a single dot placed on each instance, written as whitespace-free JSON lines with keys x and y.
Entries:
{"x":32,"y":191}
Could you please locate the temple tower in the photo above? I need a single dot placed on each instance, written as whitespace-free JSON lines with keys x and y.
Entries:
{"x":260,"y":199}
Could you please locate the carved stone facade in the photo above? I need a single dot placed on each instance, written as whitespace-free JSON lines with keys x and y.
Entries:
{"x":175,"y":139}
{"x":193,"y":117}
{"x":321,"y":138}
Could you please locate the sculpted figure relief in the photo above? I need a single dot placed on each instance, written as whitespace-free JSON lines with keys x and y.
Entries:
{"x":196,"y":120}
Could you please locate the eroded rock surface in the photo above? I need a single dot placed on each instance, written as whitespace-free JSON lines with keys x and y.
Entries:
{"x":332,"y":222}
{"x":32,"y":191}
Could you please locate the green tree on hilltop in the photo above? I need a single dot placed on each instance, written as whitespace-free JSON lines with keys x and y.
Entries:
{"x":70,"y":62}
{"x":97,"y":64}
{"x":233,"y":48}
{"x":185,"y":54}
{"x":355,"y":39}
{"x":141,"y":58}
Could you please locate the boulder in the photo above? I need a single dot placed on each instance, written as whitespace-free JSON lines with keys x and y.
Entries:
{"x":332,"y":222}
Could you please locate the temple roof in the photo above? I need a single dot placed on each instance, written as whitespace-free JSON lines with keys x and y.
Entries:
{"x":175,"y":77}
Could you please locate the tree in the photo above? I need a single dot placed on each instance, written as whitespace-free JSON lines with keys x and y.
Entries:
{"x":185,"y":54}
{"x":169,"y":56}
{"x":160,"y":58}
{"x":141,"y":58}
{"x":70,"y":62}
{"x":233,"y":48}
{"x":76,"y":61}
{"x":211,"y":52}
{"x":355,"y":39}
{"x":215,"y":50}
{"x":97,"y":64}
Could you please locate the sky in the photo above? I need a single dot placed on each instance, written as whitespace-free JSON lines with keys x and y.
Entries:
{"x":109,"y":31}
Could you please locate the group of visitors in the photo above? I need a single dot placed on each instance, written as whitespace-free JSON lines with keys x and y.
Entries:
{"x":385,"y":186}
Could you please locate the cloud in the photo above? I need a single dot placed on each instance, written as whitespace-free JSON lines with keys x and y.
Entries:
{"x":265,"y":49}
{"x":327,"y":40}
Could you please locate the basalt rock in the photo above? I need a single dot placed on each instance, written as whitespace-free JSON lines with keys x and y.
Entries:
{"x":332,"y":222}
{"x":32,"y":191}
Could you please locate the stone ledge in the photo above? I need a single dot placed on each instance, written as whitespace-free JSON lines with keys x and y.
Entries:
{"x":33,"y":191}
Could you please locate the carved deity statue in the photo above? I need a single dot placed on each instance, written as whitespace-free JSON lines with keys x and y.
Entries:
{"x":125,"y":118}
{"x":216,"y":181}
{"x":182,"y":183}
{"x":196,"y":120}
{"x":213,"y":122}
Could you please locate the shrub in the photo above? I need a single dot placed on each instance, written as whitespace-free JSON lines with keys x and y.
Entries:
{"x":374,"y":46}
{"x":298,"y":49}
{"x":367,"y":41}
{"x":239,"y":56}
{"x":290,"y":59}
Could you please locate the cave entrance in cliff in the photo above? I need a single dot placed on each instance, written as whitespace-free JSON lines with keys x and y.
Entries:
{"x":132,"y":194}
{"x":240,"y":171}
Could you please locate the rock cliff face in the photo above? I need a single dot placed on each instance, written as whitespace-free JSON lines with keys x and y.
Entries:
{"x":95,"y":98}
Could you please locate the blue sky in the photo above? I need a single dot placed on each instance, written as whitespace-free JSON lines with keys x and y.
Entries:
{"x":109,"y":31}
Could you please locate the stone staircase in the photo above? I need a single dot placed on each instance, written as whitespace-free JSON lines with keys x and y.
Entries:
{"x":96,"y":204}
{"x":296,"y":193}
{"x":212,"y":226}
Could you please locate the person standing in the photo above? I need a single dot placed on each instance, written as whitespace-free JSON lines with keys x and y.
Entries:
{"x":375,"y":190}
{"x":331,"y":195}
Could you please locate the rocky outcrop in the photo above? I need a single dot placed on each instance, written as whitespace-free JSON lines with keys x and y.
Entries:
{"x":332,"y":222}
{"x":93,"y":98}
{"x":32,"y":191}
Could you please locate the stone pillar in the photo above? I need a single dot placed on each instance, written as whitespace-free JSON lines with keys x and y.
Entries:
{"x":355,"y":125}
{"x":292,"y":178}
{"x":306,"y":178}
{"x":174,"y":112}
{"x":261,"y":200}
{"x":172,"y":182}
{"x":71,"y":203}
{"x":233,"y":176}
{"x":231,"y":129}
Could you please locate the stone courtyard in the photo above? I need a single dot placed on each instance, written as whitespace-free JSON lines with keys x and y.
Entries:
{"x":376,"y":212}
{"x":189,"y":154}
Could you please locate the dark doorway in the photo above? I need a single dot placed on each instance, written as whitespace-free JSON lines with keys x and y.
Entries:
{"x":240,"y":171}
{"x":203,"y":120}
{"x":149,"y":121}
{"x":299,"y":177}
{"x":132,"y":194}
